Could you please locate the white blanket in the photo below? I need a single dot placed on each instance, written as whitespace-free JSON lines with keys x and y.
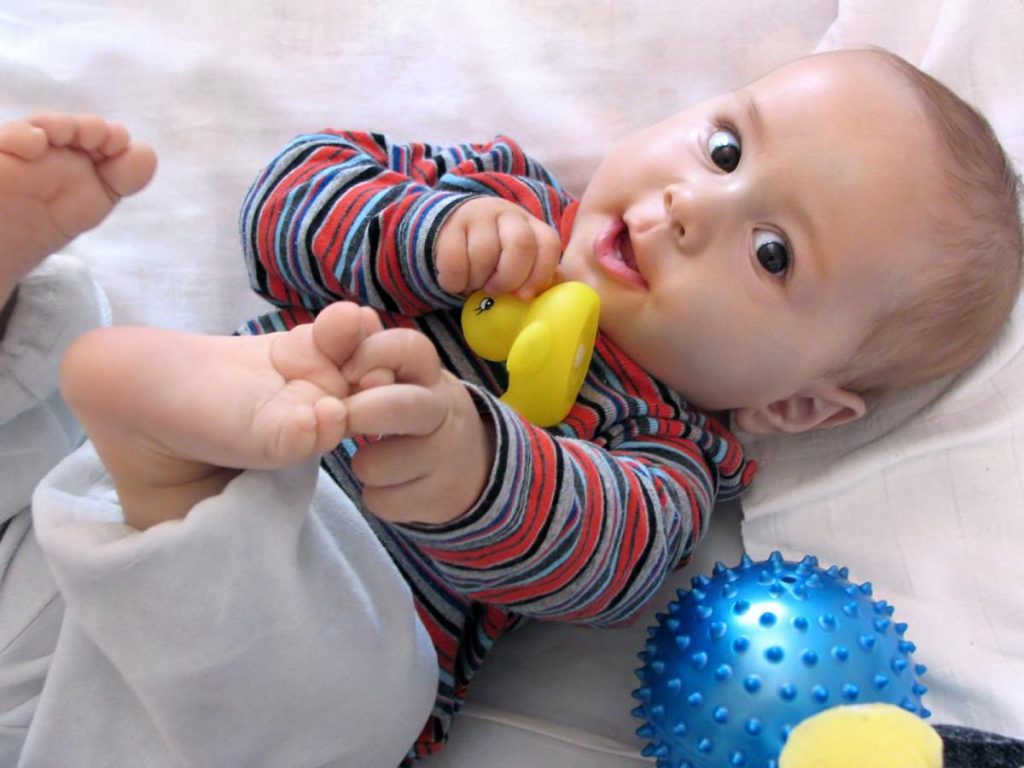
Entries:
{"x":924,"y":499}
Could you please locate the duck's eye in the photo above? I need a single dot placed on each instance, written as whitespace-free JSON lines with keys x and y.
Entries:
{"x":724,"y":149}
{"x":485,"y":303}
{"x":772,"y":252}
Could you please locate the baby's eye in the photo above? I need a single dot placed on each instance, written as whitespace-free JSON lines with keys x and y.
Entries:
{"x":772,"y":252}
{"x":724,"y":149}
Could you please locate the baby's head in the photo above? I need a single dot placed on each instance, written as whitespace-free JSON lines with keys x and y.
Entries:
{"x":841,"y":226}
{"x":951,"y":314}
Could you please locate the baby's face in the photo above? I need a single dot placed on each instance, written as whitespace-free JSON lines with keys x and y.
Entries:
{"x":742,"y":246}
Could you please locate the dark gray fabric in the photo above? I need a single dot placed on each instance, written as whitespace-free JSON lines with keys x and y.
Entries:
{"x":969,"y":748}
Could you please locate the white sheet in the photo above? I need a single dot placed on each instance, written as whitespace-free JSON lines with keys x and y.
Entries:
{"x":218,"y":87}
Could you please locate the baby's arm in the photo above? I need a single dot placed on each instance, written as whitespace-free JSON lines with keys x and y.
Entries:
{"x":550,"y":526}
{"x":586,"y":530}
{"x":356,"y":216}
{"x":175,"y":416}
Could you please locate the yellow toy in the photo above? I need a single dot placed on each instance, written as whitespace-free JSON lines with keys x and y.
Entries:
{"x":546,"y":344}
{"x":863,"y":736}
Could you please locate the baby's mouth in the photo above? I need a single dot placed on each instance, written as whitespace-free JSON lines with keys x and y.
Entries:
{"x":613,"y":249}
{"x":626,"y":249}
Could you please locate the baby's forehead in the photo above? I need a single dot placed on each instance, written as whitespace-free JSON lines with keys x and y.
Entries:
{"x":856,"y":64}
{"x":861,"y":117}
{"x":840,"y":73}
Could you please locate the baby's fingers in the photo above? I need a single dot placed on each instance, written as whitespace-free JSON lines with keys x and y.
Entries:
{"x":484,"y":251}
{"x":530,"y":250}
{"x":545,"y":263}
{"x":452,"y":259}
{"x":408,"y":354}
{"x":398,"y":409}
{"x":517,"y":251}
{"x":393,"y":461}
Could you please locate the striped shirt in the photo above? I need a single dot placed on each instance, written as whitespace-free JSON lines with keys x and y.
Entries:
{"x":580,"y":522}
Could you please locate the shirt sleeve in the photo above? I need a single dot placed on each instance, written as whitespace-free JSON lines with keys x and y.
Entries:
{"x":350,"y":215}
{"x":576,"y":531}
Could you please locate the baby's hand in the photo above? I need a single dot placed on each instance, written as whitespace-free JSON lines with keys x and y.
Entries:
{"x":492,"y":243}
{"x":434,"y":455}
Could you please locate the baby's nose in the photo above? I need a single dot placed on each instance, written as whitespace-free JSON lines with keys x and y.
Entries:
{"x":693,"y":213}
{"x":673,"y":209}
{"x":669,"y":198}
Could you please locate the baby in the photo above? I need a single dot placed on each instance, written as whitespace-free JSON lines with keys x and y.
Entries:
{"x":841,"y":226}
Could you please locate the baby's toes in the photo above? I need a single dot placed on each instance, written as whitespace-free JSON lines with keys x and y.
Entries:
{"x":22,"y":139}
{"x":117,"y":140}
{"x":130,"y":171}
{"x":339,"y":329}
{"x":60,"y":127}
{"x":90,"y":133}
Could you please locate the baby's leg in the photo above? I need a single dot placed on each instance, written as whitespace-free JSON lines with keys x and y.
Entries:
{"x":60,"y":175}
{"x":174,"y":416}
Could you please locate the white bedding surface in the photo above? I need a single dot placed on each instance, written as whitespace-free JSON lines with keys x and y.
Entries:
{"x":926,"y":499}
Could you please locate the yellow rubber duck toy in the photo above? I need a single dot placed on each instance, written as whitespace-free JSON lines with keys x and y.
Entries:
{"x":863,"y":736}
{"x":546,"y":344}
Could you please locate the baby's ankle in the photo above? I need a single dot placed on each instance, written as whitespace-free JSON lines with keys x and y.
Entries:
{"x":145,"y":503}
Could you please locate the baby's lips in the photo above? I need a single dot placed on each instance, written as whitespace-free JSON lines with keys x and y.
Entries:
{"x":613,"y":251}
{"x":605,"y":242}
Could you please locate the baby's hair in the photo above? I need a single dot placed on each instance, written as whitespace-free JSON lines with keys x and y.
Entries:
{"x":975,"y":277}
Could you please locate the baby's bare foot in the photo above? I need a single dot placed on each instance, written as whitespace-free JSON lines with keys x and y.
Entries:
{"x":174,"y":416}
{"x":60,"y":175}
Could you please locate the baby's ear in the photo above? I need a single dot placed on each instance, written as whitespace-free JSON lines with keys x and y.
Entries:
{"x":814,"y":408}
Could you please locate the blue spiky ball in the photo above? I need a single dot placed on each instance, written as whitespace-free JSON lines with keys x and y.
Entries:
{"x":747,"y":653}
